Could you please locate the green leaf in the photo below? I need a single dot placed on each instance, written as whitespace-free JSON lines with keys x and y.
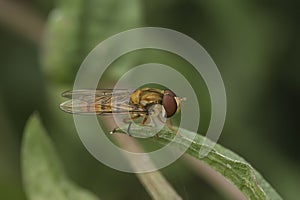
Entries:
{"x":43,"y":174}
{"x":233,"y":167}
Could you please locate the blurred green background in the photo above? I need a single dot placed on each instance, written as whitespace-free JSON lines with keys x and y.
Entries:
{"x":255,"y":44}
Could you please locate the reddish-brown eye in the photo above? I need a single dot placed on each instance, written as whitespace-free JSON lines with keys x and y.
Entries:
{"x":169,"y":103}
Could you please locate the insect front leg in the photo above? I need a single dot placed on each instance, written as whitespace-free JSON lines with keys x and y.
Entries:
{"x":169,"y":124}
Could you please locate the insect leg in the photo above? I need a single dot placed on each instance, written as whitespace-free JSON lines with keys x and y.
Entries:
{"x":128,"y":129}
{"x":169,"y":124}
{"x":129,"y":119}
{"x":144,"y":120}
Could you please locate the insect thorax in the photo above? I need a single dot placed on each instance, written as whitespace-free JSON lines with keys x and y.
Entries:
{"x":148,"y":96}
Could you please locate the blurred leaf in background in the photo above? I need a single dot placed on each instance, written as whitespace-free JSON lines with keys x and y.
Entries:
{"x":76,"y":27}
{"x":43,"y":174}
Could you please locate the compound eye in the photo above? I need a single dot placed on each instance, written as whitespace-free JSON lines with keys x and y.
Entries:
{"x":169,"y":103}
{"x":169,"y":92}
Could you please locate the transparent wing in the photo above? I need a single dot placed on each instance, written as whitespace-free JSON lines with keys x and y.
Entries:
{"x":80,"y":94}
{"x":104,"y":101}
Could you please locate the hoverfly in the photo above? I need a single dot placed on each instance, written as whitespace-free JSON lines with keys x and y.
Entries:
{"x":143,"y":102}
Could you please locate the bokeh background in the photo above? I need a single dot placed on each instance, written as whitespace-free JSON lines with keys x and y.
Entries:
{"x":255,"y":44}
